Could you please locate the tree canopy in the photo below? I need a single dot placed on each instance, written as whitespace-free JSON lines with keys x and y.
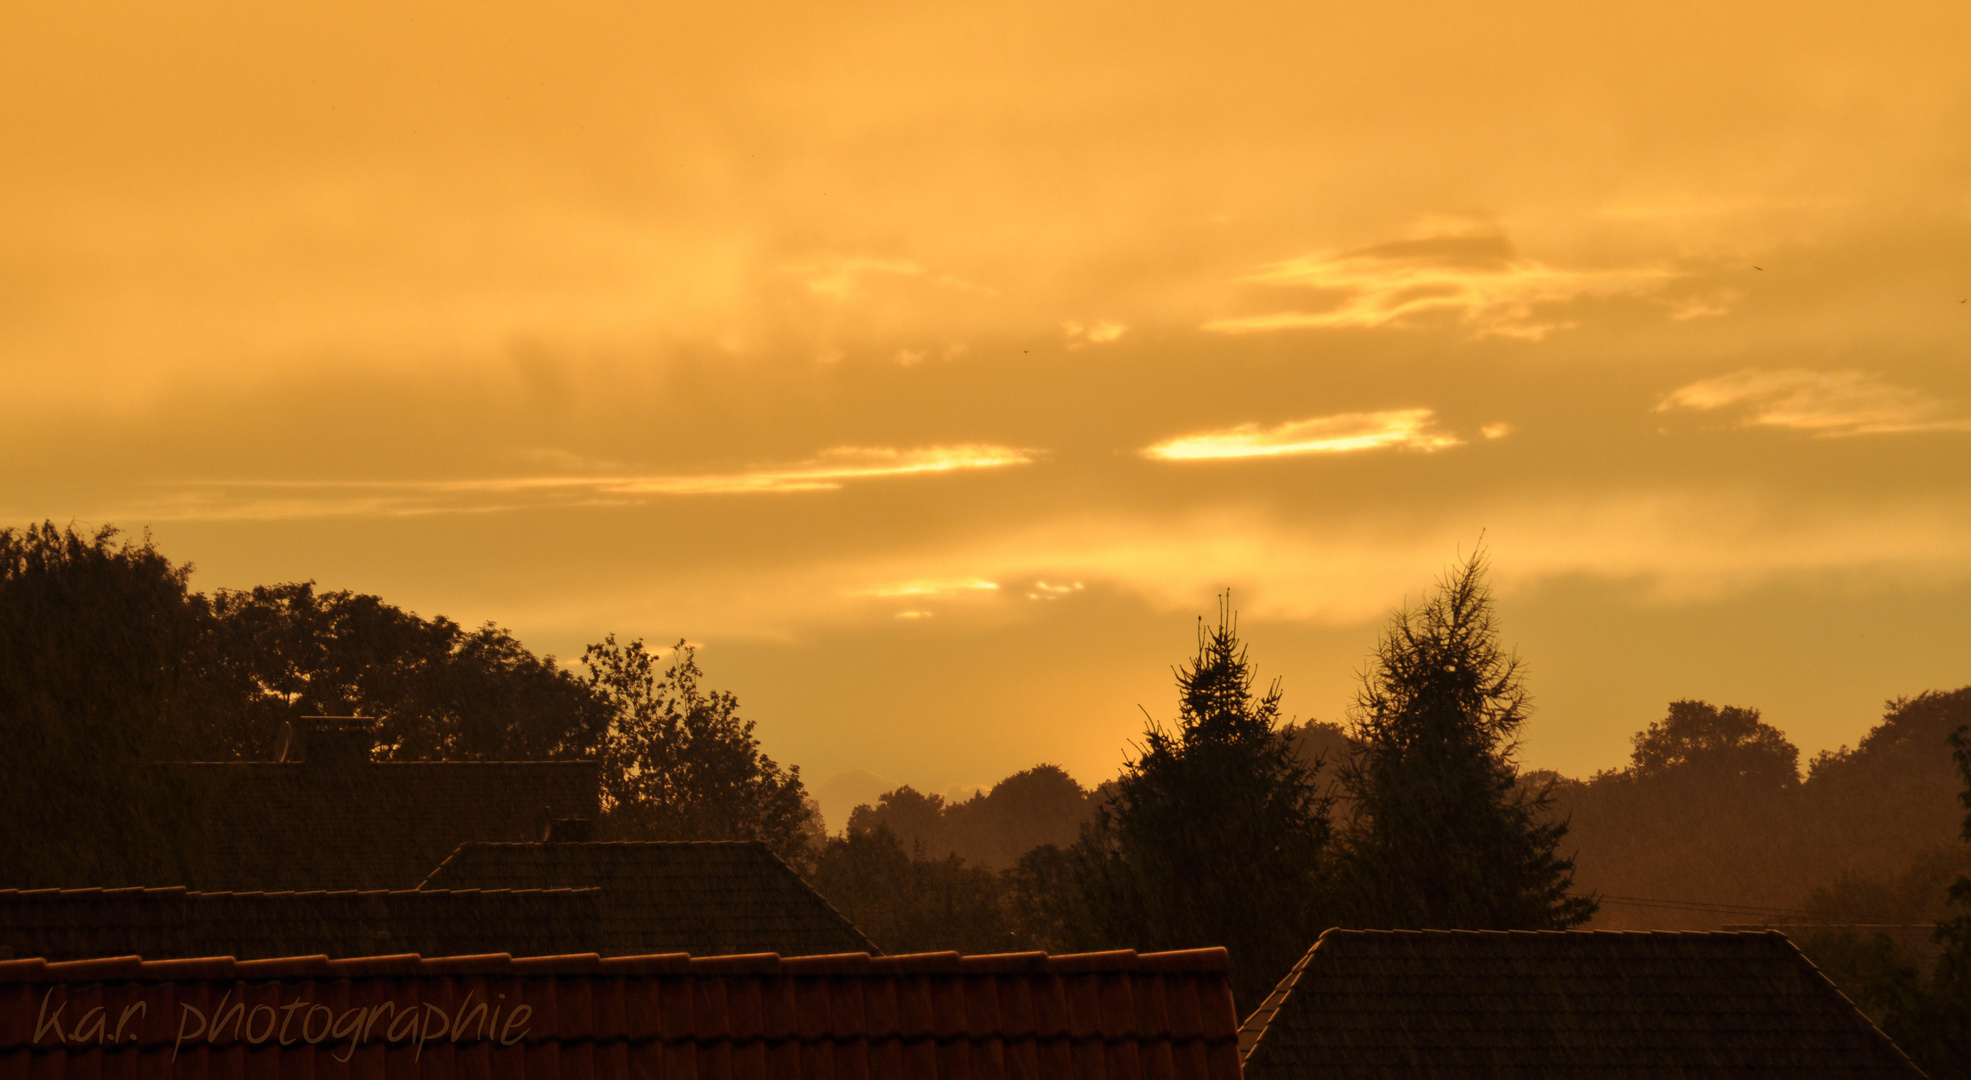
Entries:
{"x":1704,"y":743}
{"x":440,"y":691}
{"x":109,"y":661}
{"x":1041,"y":805}
{"x":1443,"y":834}
{"x":679,"y":763}
{"x":105,"y":663}
{"x":1216,"y":833}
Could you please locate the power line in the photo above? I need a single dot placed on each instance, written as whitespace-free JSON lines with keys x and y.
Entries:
{"x":1739,"y":909}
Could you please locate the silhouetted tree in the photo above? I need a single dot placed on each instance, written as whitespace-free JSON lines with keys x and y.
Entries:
{"x":1928,"y":1014}
{"x":102,"y":668}
{"x":1443,"y":834}
{"x":1941,"y":1033}
{"x":1216,"y":834}
{"x":1702,"y":743}
{"x":1041,"y":805}
{"x":1710,"y":809}
{"x":915,"y":819}
{"x":680,"y":763}
{"x":907,"y":901}
{"x":441,"y":692}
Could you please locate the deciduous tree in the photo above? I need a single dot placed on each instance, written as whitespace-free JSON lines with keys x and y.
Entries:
{"x":103,"y":667}
{"x":679,"y":763}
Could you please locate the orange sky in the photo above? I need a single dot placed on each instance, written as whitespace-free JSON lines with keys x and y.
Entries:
{"x":933,"y":364}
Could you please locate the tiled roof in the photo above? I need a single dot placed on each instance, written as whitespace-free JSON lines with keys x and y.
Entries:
{"x":368,"y":825}
{"x":1099,"y":1016}
{"x":1472,"y":1004}
{"x":70,"y":924}
{"x":707,"y":899}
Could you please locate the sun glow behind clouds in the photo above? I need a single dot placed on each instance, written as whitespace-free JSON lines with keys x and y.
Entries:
{"x":1826,"y":403}
{"x":1337,"y":434}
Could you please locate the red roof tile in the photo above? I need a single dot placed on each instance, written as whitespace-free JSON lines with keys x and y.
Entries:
{"x":584,"y":1017}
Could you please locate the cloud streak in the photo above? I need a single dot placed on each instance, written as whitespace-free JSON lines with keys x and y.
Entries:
{"x":1478,"y":279}
{"x":1338,"y":434}
{"x":1823,"y":403}
{"x":1674,"y":548}
{"x":248,"y":500}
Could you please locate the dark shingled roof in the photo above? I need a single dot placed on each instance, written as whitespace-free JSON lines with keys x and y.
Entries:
{"x":74,"y":924}
{"x":1472,"y":1004}
{"x":368,"y":825}
{"x":707,"y":899}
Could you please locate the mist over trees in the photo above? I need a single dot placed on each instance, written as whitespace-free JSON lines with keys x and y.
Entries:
{"x":1927,"y":1012}
{"x":1041,"y":805}
{"x":908,"y":900}
{"x":1713,"y":809}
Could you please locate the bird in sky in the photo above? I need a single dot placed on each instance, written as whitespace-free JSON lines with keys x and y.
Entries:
{"x":1758,"y":268}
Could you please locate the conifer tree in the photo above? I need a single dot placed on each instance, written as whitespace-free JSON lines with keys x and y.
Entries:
{"x":1216,"y":834}
{"x":1444,"y":835}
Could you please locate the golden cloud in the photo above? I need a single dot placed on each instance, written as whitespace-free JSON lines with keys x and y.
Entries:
{"x":1340,"y":433}
{"x":932,"y":589}
{"x":1825,"y":403}
{"x":1102,"y":332}
{"x":1477,"y":278}
{"x":290,"y":499}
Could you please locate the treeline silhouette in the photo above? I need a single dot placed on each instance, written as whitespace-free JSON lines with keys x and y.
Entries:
{"x":1230,"y":824}
{"x":1233,"y":826}
{"x":1713,"y":808}
{"x":110,"y":662}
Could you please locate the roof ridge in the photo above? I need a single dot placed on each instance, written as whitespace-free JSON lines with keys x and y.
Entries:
{"x":161,"y":892}
{"x":852,"y":928}
{"x":55,"y":892}
{"x":136,"y":969}
{"x":1249,"y":1032}
{"x":609,"y":843}
{"x":300,"y":764}
{"x":1819,"y":980}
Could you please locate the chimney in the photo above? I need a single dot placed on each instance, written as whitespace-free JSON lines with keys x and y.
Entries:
{"x":570,"y":830}
{"x":337,"y":741}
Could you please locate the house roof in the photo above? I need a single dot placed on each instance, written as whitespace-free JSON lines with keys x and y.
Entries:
{"x":1114,"y":1015}
{"x":71,"y":924}
{"x":1475,"y":1004}
{"x":704,"y":898}
{"x":370,"y":825}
